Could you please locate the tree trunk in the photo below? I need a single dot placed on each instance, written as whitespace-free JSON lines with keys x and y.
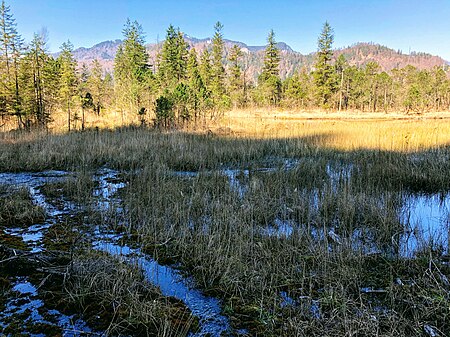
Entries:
{"x":340,"y":91}
{"x":68,"y":115}
{"x":82,"y":119}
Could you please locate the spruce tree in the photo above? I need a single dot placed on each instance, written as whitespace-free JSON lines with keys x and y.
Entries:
{"x":198,"y":91}
{"x":68,"y":86}
{"x":269,"y":81}
{"x":131,"y":70}
{"x":40,"y":80}
{"x":97,"y":86}
{"x":324,"y":75}
{"x":271,"y":57}
{"x":11,"y":51}
{"x":172,"y":59}
{"x":205,"y":68}
{"x":297,"y":89}
{"x":235,"y":82}
{"x":340,"y":66}
{"x":217,"y":69}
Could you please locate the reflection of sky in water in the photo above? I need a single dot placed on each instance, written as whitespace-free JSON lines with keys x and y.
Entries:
{"x":26,"y":302}
{"x":238,"y":178}
{"x":426,"y":220}
{"x":314,"y":305}
{"x":280,"y":228}
{"x":167,"y":279}
{"x":27,"y":299}
{"x":171,"y":283}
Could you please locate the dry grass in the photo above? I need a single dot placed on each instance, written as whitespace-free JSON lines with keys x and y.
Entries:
{"x":346,"y":132}
{"x":115,"y":298}
{"x":17,"y":208}
{"x":219,"y":237}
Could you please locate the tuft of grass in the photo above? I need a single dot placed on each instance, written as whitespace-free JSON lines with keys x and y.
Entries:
{"x":17,"y":208}
{"x":115,"y":298}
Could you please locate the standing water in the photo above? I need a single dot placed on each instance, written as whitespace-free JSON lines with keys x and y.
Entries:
{"x":167,"y":279}
{"x":24,"y":303}
{"x":426,"y":221}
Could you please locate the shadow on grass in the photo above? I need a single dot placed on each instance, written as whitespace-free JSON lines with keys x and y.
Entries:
{"x":130,"y":148}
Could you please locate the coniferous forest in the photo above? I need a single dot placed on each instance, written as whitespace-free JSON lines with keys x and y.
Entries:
{"x":184,"y":85}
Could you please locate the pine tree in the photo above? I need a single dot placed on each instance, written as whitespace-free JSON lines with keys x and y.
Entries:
{"x":131,"y":70}
{"x":172,"y":59}
{"x":269,"y":81}
{"x":235,"y":82}
{"x":68,"y":86}
{"x":217,"y":70}
{"x":324,"y":75}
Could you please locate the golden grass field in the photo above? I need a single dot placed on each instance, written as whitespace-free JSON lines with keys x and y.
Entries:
{"x":342,"y":131}
{"x":396,"y":132}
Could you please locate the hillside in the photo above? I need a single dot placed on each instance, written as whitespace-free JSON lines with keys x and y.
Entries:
{"x":361,"y":53}
{"x":291,"y":61}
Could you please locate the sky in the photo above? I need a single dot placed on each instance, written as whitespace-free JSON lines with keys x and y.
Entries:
{"x":416,"y":25}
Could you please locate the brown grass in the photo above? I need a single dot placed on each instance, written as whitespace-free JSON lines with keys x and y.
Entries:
{"x":217,"y":236}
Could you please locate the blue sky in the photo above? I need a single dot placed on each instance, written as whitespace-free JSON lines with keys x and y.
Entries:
{"x":400,"y":24}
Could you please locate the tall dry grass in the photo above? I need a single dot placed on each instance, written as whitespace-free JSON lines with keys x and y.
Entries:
{"x":345,"y":177}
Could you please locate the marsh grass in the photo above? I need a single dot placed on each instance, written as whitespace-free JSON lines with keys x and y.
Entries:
{"x":115,"y":298}
{"x":320,"y":230}
{"x":108,"y":293}
{"x":17,"y":208}
{"x":218,"y":238}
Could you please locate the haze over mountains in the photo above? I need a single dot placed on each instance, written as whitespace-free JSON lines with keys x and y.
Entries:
{"x":291,"y":61}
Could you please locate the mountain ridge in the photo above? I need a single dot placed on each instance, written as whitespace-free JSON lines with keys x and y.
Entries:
{"x":292,"y":61}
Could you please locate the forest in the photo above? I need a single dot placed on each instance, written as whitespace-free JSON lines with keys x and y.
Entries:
{"x":184,"y":85}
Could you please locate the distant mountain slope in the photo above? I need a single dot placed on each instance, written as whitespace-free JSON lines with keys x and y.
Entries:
{"x":291,"y":61}
{"x":361,"y":53}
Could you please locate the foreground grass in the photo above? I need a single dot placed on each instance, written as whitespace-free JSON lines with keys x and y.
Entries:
{"x":305,"y":282}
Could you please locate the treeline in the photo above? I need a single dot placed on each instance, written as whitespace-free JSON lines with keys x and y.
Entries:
{"x":183,"y":85}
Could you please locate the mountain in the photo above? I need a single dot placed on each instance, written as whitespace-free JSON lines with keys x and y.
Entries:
{"x":362,"y":53}
{"x":291,"y":61}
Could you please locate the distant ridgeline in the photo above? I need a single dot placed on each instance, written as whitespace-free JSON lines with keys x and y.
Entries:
{"x":291,"y":62}
{"x":182,"y":79}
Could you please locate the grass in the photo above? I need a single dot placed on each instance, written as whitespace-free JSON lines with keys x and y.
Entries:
{"x":342,"y":196}
{"x":17,"y":208}
{"x":114,"y":297}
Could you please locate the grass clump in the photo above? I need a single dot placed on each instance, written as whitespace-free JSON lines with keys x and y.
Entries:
{"x":18,"y":209}
{"x":114,"y":297}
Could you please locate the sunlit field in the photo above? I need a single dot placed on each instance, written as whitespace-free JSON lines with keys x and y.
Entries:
{"x":261,"y":226}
